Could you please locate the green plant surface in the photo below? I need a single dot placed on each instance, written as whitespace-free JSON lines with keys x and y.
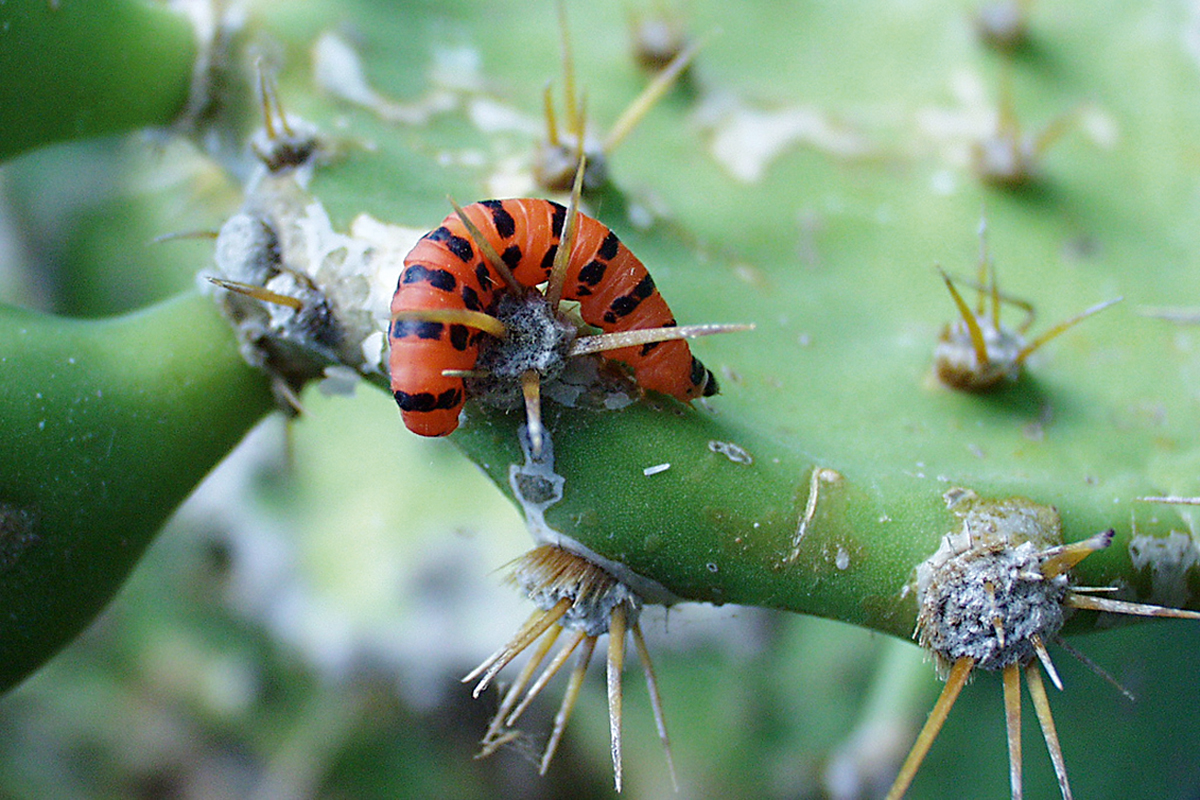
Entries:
{"x":828,"y":246}
{"x":77,"y":70}
{"x":108,"y":425}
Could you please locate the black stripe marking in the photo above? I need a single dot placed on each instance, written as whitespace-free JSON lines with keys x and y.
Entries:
{"x":403,"y":328}
{"x":557,"y":220}
{"x":623,"y":306}
{"x":548,"y":259}
{"x":459,"y":337}
{"x":506,"y":226}
{"x":608,"y":248}
{"x":427,"y":401}
{"x":437,"y":278}
{"x":649,"y":346}
{"x":461,"y":247}
{"x":702,"y":376}
{"x":484,"y":277}
{"x":593,"y":272}
{"x":511,"y":256}
{"x":455,"y":244}
{"x":471,"y":299}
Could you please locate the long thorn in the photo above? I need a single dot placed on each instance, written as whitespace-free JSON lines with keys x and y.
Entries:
{"x":265,"y":98}
{"x":171,"y":237}
{"x":1054,"y":131}
{"x":1076,"y":600}
{"x":994,"y":295}
{"x":551,"y":120}
{"x":1043,"y":655}
{"x":568,"y":72}
{"x":455,"y":316}
{"x":260,"y":293}
{"x":549,"y":672}
{"x":566,"y":243}
{"x":614,"y":341}
{"x":1182,"y":315}
{"x":1028,"y":349}
{"x":514,"y":691}
{"x":1096,"y":668}
{"x":653,"y":92}
{"x":534,"y":627}
{"x":465,"y":373}
{"x":568,"y":703}
{"x":272,"y":110}
{"x":983,"y":287}
{"x":968,"y":316}
{"x":490,"y":746}
{"x":581,"y":122}
{"x":1012,"y":724}
{"x":1041,"y":704}
{"x":660,"y":719}
{"x":1171,"y":500}
{"x":937,"y":717}
{"x":1061,"y":559}
{"x":616,"y":662}
{"x":531,"y":388}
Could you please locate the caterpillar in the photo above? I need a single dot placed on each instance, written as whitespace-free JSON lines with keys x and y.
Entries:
{"x":455,"y":280}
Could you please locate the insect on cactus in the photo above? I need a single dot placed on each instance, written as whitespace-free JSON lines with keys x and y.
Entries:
{"x":467,"y":316}
{"x":736,"y":239}
{"x":978,"y":353}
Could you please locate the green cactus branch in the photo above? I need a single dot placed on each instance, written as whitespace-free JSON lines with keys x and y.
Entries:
{"x":108,"y":425}
{"x":713,"y":528}
{"x":79,"y":70}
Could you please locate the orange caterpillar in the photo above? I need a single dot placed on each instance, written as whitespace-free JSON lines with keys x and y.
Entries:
{"x":454,"y":281}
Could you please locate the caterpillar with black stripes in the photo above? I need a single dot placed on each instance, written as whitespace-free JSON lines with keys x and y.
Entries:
{"x":468,"y":286}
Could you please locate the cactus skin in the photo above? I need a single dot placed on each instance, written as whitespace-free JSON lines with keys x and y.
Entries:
{"x":78,"y":70}
{"x":108,"y":425}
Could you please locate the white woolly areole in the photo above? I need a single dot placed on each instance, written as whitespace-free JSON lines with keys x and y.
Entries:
{"x":982,"y":593}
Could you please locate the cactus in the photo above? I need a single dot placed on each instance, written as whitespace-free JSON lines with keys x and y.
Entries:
{"x":779,"y":184}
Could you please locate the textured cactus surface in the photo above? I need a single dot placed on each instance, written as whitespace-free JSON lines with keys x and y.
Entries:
{"x":807,"y":174}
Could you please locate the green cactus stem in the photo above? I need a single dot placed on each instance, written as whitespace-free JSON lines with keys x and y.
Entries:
{"x":108,"y":425}
{"x":78,"y":70}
